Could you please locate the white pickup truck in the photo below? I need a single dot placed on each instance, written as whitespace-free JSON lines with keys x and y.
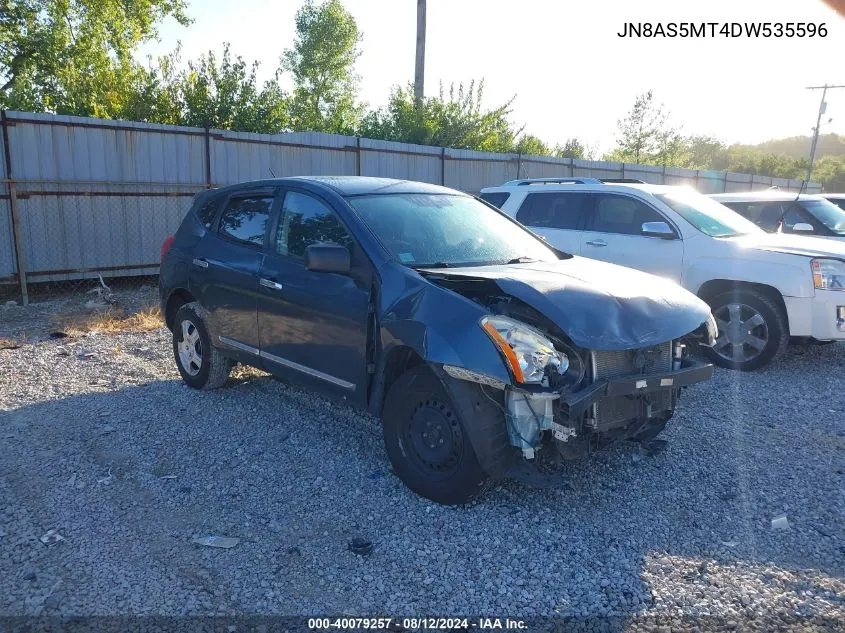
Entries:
{"x":763,"y":288}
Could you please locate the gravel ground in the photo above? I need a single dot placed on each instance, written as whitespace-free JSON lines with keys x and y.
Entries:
{"x":101,"y":442}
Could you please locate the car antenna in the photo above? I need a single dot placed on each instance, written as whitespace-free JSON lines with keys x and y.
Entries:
{"x":803,"y":184}
{"x":271,"y":172}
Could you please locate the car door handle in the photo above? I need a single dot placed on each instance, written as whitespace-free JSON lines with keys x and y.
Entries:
{"x":200,"y":262}
{"x":597,"y":243}
{"x":269,"y":283}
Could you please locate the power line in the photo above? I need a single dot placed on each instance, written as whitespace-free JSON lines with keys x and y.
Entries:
{"x":822,"y":109}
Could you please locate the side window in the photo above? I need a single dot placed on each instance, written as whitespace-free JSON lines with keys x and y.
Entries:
{"x":622,"y":215}
{"x":553,"y":210}
{"x":207,"y":211}
{"x":305,"y":220}
{"x":496,"y":198}
{"x":794,"y":215}
{"x":767,"y":215}
{"x":245,"y":219}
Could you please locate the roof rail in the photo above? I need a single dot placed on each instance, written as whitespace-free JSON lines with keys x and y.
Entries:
{"x":622,"y":181}
{"x":552,"y":181}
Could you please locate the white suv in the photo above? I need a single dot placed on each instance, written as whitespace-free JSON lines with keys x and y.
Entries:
{"x":763,"y":288}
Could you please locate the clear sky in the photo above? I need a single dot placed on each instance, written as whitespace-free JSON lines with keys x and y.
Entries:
{"x":571,"y":74}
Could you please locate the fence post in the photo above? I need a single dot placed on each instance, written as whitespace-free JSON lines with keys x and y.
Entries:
{"x":357,"y":155}
{"x":208,"y":182}
{"x":443,"y":166}
{"x":623,"y":171}
{"x":518,"y":165}
{"x":725,"y":184}
{"x":13,"y":210}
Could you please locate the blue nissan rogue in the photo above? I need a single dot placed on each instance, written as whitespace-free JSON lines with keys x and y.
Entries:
{"x":486,"y":352}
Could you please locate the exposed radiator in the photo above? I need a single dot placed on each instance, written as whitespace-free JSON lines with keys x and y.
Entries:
{"x":611,"y":412}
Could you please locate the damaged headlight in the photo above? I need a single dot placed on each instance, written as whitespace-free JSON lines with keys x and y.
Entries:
{"x":526,"y":351}
{"x":828,"y":274}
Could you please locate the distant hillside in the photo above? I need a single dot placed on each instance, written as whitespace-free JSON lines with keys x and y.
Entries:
{"x":799,"y":146}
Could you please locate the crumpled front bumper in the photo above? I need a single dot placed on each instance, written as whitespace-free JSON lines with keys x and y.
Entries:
{"x":691,"y":372}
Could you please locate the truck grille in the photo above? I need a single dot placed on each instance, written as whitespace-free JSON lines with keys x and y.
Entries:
{"x":611,"y":412}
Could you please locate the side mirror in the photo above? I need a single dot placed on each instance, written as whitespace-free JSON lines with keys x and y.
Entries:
{"x":658,"y":229}
{"x":328,"y":258}
{"x":802,"y":227}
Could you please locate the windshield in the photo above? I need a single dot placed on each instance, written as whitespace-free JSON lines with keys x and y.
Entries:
{"x":827,"y":213}
{"x":707,"y":215}
{"x":447,"y":230}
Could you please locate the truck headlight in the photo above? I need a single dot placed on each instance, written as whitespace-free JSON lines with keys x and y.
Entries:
{"x":828,"y":274}
{"x":526,"y":351}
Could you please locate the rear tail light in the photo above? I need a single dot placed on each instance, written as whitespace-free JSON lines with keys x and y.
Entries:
{"x":165,"y":246}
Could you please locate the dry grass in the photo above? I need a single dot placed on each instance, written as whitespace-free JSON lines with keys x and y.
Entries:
{"x":111,"y":321}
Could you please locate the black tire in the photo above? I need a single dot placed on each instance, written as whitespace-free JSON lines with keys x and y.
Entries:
{"x":426,"y":441}
{"x":213,"y":367}
{"x":773,"y":330}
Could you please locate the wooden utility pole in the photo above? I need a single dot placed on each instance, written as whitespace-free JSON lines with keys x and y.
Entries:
{"x":822,"y":109}
{"x":419,"y":74}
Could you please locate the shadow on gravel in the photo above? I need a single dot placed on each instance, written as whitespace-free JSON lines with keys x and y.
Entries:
{"x":130,"y":477}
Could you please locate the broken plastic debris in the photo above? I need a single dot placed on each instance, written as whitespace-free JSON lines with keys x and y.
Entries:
{"x":730,"y":543}
{"x":780,"y":522}
{"x":51,"y":537}
{"x":225,"y":542}
{"x":106,"y":480}
{"x":168,"y":477}
{"x":361,"y":546}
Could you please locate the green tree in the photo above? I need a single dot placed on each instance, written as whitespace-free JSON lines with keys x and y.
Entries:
{"x":225,"y":94}
{"x":75,"y":56}
{"x":532,"y":145}
{"x":645,"y":135}
{"x":321,"y":62}
{"x":830,"y":171}
{"x":572,"y":148}
{"x":457,"y":120}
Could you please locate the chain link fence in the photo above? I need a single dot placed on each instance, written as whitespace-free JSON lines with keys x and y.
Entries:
{"x":69,"y":235}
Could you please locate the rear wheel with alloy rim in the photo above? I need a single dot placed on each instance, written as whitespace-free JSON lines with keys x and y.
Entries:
{"x":426,"y":441}
{"x":201,"y":365}
{"x":753,"y":329}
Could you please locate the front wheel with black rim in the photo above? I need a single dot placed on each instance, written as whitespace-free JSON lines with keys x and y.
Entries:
{"x":426,"y":441}
{"x":201,"y":365}
{"x":753,"y":329}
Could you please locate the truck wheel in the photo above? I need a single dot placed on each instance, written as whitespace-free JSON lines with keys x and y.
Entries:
{"x":201,"y":365}
{"x":753,"y":330}
{"x":426,"y":441}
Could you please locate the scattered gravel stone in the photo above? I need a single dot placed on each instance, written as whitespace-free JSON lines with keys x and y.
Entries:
{"x":292,"y":474}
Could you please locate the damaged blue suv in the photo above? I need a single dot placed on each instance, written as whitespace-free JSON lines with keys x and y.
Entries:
{"x":486,"y":352}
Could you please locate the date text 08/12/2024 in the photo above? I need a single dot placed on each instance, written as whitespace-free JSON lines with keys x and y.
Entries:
{"x":726,"y":29}
{"x":415,"y":624}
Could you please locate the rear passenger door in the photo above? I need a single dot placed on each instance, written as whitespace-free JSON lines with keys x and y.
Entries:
{"x":615,"y":234}
{"x":557,"y":216}
{"x":226,"y":265}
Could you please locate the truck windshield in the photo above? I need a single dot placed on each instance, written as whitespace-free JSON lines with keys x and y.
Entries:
{"x":707,"y":215}
{"x":827,"y":213}
{"x":425,"y":230}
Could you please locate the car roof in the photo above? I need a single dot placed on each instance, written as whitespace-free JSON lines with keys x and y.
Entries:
{"x":838,"y":196}
{"x":353,"y":185}
{"x":589,"y":184}
{"x":754,"y":196}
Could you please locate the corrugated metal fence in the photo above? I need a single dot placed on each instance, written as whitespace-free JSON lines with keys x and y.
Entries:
{"x":83,"y":196}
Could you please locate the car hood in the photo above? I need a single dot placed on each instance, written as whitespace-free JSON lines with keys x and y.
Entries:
{"x":598,"y":305}
{"x":792,"y":244}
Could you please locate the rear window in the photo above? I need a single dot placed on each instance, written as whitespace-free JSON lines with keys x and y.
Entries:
{"x":245,"y":219}
{"x":207,"y":211}
{"x":496,"y":198}
{"x":553,"y":210}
